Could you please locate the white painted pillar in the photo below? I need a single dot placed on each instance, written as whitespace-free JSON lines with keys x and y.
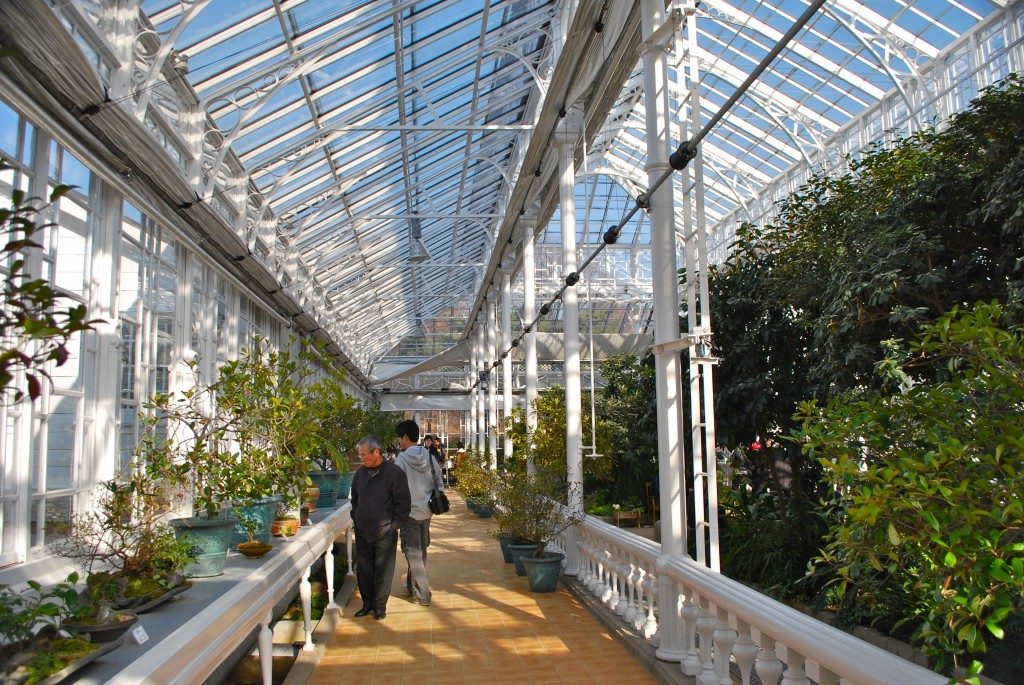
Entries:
{"x":349,"y":535}
{"x":529,"y":223}
{"x":492,"y":395}
{"x":566,"y":137}
{"x":666,"y":328}
{"x":329,"y":572}
{"x":481,"y":407}
{"x":506,"y":363}
{"x":471,"y":433}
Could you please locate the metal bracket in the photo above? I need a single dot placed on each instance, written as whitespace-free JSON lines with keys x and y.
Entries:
{"x":662,"y":36}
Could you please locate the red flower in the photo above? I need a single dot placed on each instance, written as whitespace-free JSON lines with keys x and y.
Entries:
{"x":756,"y":446}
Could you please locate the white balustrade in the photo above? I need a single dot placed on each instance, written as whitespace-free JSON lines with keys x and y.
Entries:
{"x":193,"y":652}
{"x":722,"y":620}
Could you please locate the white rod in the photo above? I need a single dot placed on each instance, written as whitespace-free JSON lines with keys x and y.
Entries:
{"x":506,"y":363}
{"x":492,"y":395}
{"x":529,"y":313}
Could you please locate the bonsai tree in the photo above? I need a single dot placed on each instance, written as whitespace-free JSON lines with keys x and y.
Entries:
{"x":31,"y":648}
{"x":35,"y":326}
{"x":533,"y":508}
{"x":123,"y":534}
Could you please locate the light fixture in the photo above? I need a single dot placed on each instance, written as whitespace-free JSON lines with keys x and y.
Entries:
{"x":417,"y":250}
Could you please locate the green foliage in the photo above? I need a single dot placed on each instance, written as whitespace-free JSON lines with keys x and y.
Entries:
{"x":24,"y":613}
{"x":59,"y":653}
{"x":802,"y":307}
{"x":36,"y":323}
{"x":628,"y":426}
{"x":474,"y":478}
{"x":927,"y":485}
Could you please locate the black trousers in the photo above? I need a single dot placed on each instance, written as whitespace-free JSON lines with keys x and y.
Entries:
{"x":375,"y":566}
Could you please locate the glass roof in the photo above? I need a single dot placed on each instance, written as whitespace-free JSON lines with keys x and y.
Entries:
{"x":383,"y":139}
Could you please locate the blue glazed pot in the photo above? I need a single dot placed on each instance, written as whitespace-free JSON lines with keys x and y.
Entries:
{"x":485,"y":510}
{"x":504,"y":540}
{"x":518,"y":551}
{"x":542,"y":572}
{"x":328,"y":482}
{"x":210,"y":537}
{"x":345,"y":485}
{"x":264,"y":510}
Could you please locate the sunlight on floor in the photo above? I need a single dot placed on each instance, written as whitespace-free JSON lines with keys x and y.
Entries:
{"x":484,"y":625}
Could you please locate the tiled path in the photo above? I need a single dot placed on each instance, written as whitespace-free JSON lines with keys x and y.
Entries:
{"x":484,"y":627}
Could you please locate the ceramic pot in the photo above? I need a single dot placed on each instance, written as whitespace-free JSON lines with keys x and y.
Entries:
{"x":542,"y":572}
{"x":211,"y":537}
{"x":284,"y":527}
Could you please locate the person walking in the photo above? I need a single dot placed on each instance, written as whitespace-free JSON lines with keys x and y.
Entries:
{"x":423,"y":476}
{"x":380,"y":506}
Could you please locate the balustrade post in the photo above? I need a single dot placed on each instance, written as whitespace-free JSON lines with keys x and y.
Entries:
{"x":265,"y":645}
{"x":795,"y":674}
{"x":744,"y":651}
{"x":348,"y":550}
{"x":690,"y":664}
{"x":631,"y":610}
{"x":329,"y":570}
{"x":613,"y":595}
{"x":623,"y":604}
{"x":606,"y":584}
{"x":670,"y":635}
{"x":650,"y":627}
{"x":305,"y":594}
{"x":706,"y":625}
{"x":767,"y":666}
{"x":724,"y":639}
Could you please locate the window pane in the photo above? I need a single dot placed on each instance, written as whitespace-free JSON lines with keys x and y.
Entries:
{"x":129,"y":280}
{"x":58,"y":512}
{"x":127,"y":437}
{"x":60,"y":445}
{"x":129,"y":331}
{"x":68,"y":376}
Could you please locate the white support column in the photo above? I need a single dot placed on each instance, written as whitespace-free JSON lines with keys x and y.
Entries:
{"x":492,"y":395}
{"x":471,"y":433}
{"x":265,"y":646}
{"x":481,"y":407}
{"x":566,"y":137}
{"x":666,"y":328}
{"x":506,"y":363}
{"x":529,"y":222}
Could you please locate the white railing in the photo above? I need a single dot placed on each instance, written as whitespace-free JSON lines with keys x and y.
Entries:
{"x":722,"y":620}
{"x":194,"y":651}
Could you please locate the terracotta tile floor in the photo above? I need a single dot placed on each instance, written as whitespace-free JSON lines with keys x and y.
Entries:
{"x":484,"y":627}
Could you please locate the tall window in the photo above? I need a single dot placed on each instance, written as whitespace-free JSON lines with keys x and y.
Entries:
{"x":147,"y":292}
{"x":57,"y":475}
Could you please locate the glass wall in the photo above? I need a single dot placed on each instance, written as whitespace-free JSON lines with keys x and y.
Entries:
{"x":157,"y":300}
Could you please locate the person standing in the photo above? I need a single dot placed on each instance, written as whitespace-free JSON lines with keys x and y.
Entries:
{"x":380,"y":506}
{"x":423,"y":476}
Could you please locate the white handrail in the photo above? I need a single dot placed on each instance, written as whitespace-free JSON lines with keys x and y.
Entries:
{"x":194,"y":651}
{"x":730,"y":619}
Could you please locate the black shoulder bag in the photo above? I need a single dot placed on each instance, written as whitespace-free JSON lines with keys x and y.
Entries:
{"x":438,"y":500}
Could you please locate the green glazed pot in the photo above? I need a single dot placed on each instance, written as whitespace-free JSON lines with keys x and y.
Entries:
{"x":542,"y":572}
{"x":211,"y":538}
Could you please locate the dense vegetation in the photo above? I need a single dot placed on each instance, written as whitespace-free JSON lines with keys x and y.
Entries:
{"x":897,"y":484}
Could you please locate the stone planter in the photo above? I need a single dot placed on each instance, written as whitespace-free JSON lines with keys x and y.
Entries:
{"x":104,"y":632}
{"x":542,"y":572}
{"x":211,"y":537}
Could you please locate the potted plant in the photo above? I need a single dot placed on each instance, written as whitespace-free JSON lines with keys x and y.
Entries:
{"x":337,"y":428}
{"x":134,"y":561}
{"x":476,"y":482}
{"x":32,"y":647}
{"x":252,"y":548}
{"x":534,"y":510}
{"x":184,"y":444}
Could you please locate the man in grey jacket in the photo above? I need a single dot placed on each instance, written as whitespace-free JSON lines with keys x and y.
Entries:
{"x":417,"y":463}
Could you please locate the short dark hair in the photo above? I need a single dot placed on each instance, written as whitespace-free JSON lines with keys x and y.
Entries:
{"x":409,"y":429}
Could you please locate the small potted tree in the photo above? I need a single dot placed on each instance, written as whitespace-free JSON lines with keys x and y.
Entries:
{"x":534,"y":511}
{"x":252,"y":547}
{"x":133,"y":560}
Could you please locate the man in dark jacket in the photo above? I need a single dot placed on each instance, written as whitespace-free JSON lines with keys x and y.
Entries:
{"x":380,"y":505}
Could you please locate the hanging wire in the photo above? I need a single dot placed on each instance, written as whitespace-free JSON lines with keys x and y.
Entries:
{"x":678,"y":161}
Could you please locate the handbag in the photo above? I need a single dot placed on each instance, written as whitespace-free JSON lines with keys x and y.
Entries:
{"x":438,"y":502}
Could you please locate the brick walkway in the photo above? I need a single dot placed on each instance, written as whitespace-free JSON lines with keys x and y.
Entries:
{"x":484,"y":626}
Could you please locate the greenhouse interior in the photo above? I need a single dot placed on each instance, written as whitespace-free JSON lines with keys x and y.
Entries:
{"x":725,"y":299}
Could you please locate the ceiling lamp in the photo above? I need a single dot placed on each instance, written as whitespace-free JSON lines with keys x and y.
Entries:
{"x":417,"y":250}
